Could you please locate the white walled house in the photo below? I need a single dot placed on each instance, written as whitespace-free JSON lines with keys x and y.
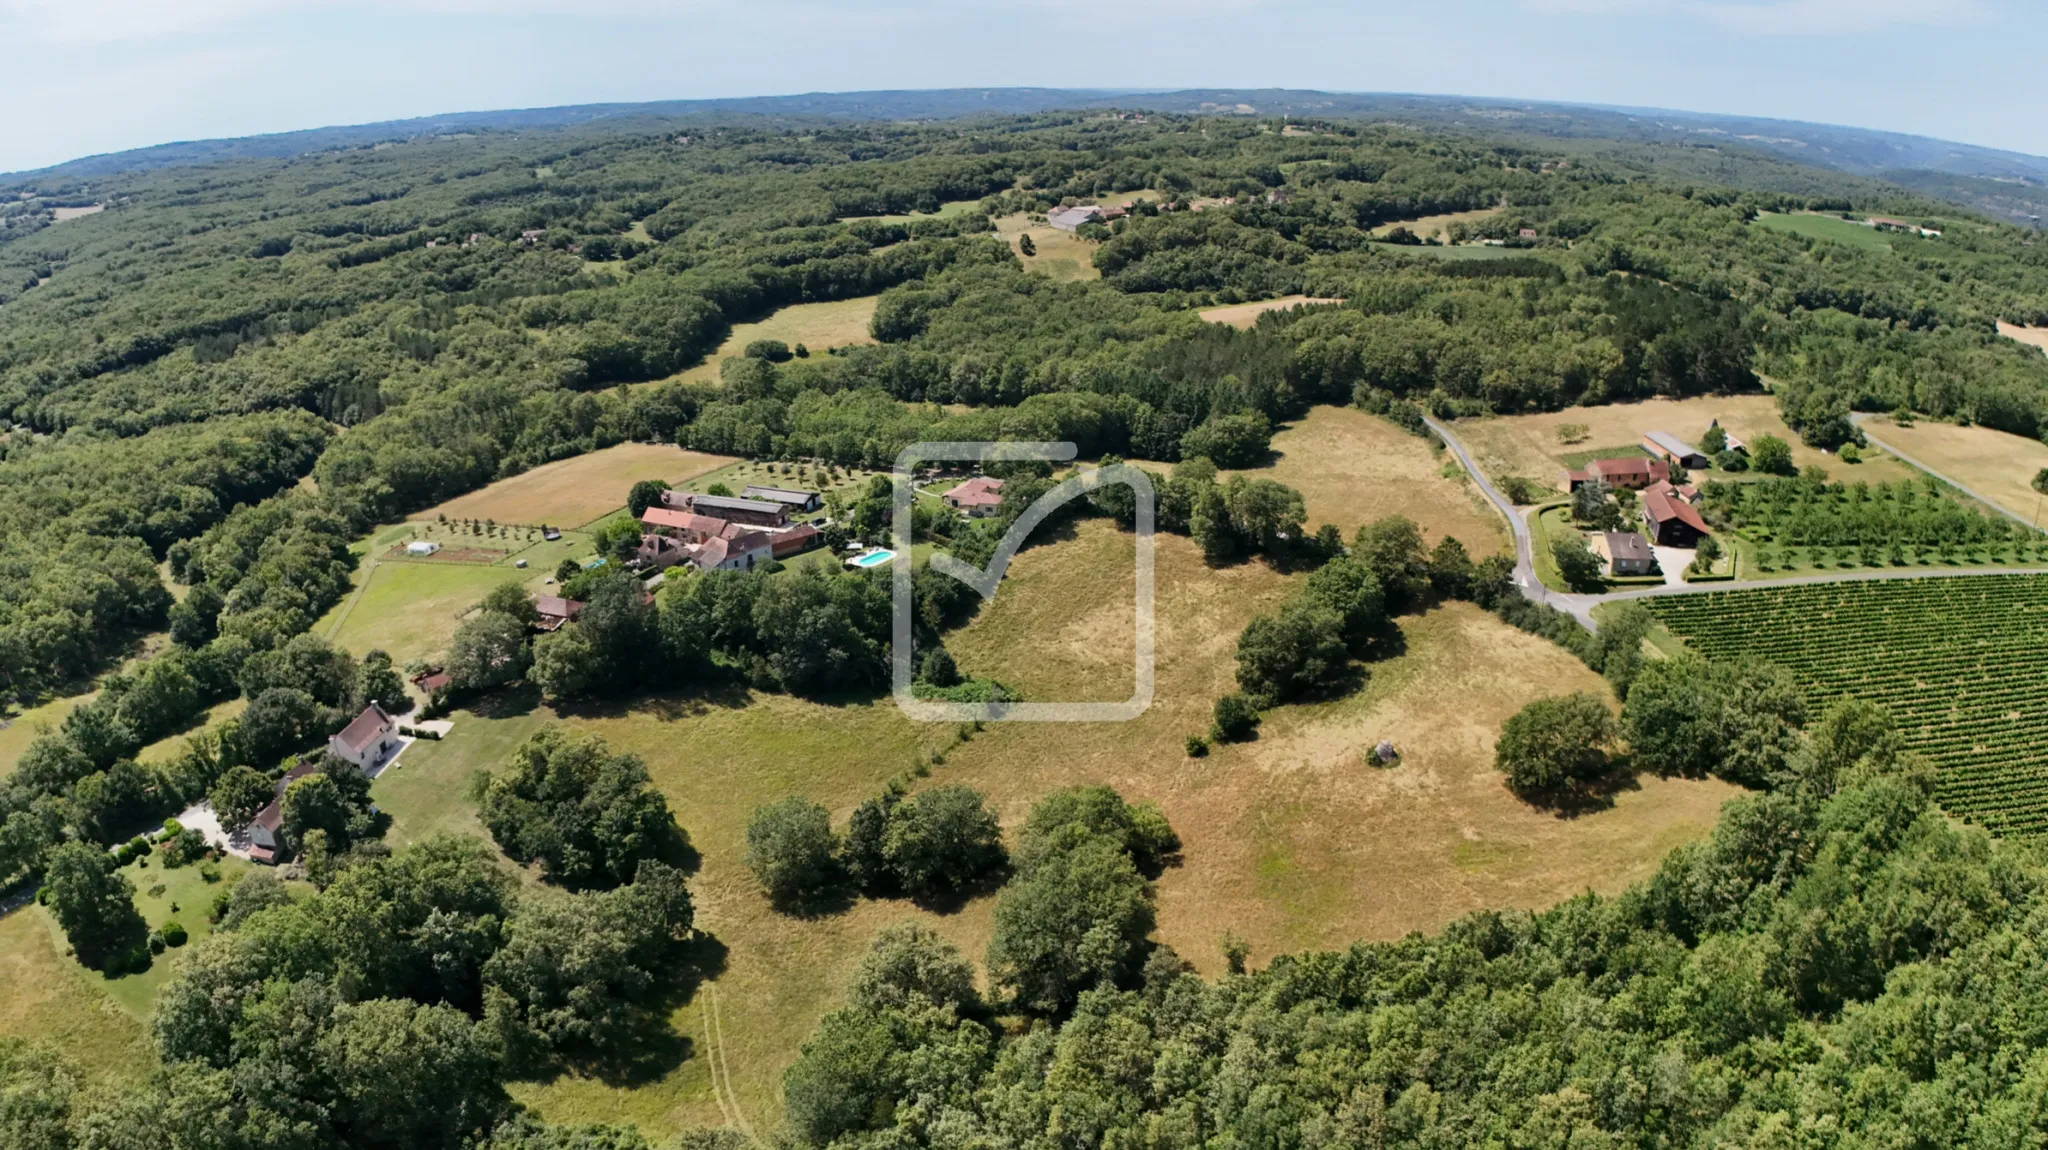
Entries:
{"x":367,"y":740}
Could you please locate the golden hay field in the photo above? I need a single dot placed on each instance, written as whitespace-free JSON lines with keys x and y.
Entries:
{"x":1527,"y":445}
{"x":1998,"y":465}
{"x":1247,"y":314}
{"x":2032,"y":336}
{"x":818,"y":326}
{"x":1353,"y":468}
{"x":572,"y":492}
{"x":1426,"y":226}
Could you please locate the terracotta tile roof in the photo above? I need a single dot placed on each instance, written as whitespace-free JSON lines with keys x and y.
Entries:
{"x":1663,"y":504}
{"x":981,"y":491}
{"x":1634,"y":469}
{"x":556,"y":607}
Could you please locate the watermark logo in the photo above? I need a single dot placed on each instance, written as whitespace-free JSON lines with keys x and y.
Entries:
{"x":986,"y":580}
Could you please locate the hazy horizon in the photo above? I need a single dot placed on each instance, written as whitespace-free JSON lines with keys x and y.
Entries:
{"x":112,"y":75}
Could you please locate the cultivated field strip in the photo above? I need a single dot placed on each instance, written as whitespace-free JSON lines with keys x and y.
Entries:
{"x":1962,"y":663}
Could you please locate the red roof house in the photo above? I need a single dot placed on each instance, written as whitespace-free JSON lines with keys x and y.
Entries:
{"x":977,"y":497}
{"x":1672,"y":521}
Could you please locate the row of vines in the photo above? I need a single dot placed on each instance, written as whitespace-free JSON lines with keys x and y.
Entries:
{"x":1961,"y":662}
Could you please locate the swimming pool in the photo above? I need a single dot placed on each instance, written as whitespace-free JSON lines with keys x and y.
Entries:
{"x":873,"y":558}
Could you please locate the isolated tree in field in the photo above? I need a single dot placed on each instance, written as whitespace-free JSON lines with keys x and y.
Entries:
{"x":1450,"y":569}
{"x":238,"y":794}
{"x":1344,"y":585}
{"x":791,"y":850}
{"x":94,"y":903}
{"x":1025,"y":245}
{"x":1555,"y":741}
{"x":1576,"y":562}
{"x":1235,"y":717}
{"x":645,"y":494}
{"x":1715,"y":441}
{"x":487,"y":651}
{"x":1263,"y":512}
{"x":1772,"y":456}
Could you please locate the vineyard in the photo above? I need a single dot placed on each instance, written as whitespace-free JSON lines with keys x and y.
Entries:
{"x":1961,"y":662}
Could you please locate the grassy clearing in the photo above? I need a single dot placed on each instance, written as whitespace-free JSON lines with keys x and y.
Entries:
{"x":22,"y":729}
{"x":49,"y":998}
{"x":165,"y":895}
{"x":168,"y":747}
{"x":426,"y":792}
{"x":2031,"y":336}
{"x":1057,"y":254}
{"x":1995,"y":464}
{"x":947,"y":211}
{"x":1247,"y":314}
{"x":1353,"y":468}
{"x":1831,"y":228}
{"x":1528,"y":445}
{"x":569,"y":492}
{"x":1449,"y":251}
{"x":1427,"y":226}
{"x":411,"y":610}
{"x":838,"y":323}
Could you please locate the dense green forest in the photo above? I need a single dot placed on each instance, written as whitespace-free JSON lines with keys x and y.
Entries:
{"x":211,"y":388}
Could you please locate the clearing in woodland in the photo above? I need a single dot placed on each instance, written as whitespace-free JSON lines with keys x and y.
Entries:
{"x":1352,"y":468}
{"x":818,"y":326}
{"x":1290,"y":840}
{"x":572,"y":492}
{"x":1997,"y":465}
{"x":1057,"y":254}
{"x":1426,"y":226}
{"x":1529,"y":446}
{"x":1247,"y":314}
{"x":2033,"y":336}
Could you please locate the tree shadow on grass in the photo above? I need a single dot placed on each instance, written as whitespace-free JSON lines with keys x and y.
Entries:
{"x":650,"y":1047}
{"x":1588,"y":796}
{"x":506,"y":703}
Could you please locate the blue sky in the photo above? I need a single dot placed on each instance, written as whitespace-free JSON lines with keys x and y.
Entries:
{"x":88,"y":76}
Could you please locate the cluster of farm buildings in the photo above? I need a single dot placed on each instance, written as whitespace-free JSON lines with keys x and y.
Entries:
{"x":1670,"y":511}
{"x":726,"y":533}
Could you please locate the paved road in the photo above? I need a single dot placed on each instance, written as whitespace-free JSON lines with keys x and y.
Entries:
{"x":1859,"y":418}
{"x":1582,"y":605}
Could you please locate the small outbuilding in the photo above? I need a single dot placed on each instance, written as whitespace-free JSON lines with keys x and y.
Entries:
{"x":1667,"y":446}
{"x":1071,"y":219}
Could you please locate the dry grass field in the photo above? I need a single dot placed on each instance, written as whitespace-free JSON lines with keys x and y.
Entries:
{"x":1290,"y":840}
{"x":22,"y":729}
{"x":1426,"y":226}
{"x":1528,"y":445}
{"x":1247,"y":314}
{"x":1060,"y":255}
{"x":2032,"y":336}
{"x":63,"y":214}
{"x":50,"y":998}
{"x":839,"y":323}
{"x":1997,"y":465}
{"x":1353,"y":468}
{"x":572,"y":492}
